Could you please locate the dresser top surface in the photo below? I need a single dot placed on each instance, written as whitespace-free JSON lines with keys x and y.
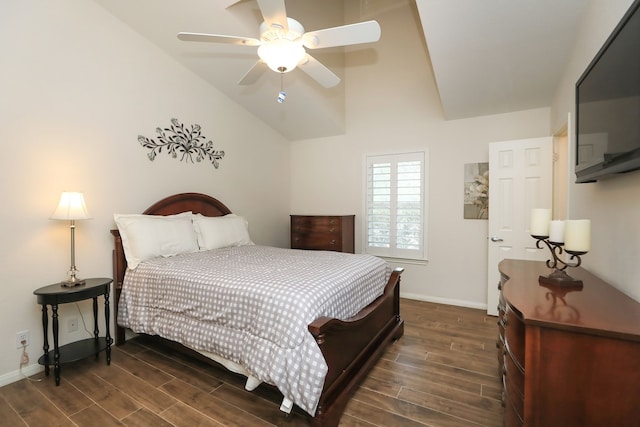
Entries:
{"x":596,"y":308}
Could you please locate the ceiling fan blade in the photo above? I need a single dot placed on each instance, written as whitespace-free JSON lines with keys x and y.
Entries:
{"x":216,"y":38}
{"x":252,"y":75}
{"x":228,"y":3}
{"x":318,"y":72}
{"x":362,"y":32}
{"x":274,"y":13}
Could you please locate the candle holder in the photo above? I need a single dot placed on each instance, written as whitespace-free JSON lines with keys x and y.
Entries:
{"x":559,"y":277}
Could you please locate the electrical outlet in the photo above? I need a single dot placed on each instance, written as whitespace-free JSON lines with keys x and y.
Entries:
{"x":22,"y":336}
{"x":72,"y":324}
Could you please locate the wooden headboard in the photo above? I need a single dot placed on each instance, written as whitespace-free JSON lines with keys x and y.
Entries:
{"x":183,"y":202}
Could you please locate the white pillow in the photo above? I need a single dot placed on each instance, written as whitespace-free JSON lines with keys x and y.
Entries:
{"x":221,"y":231}
{"x":151,"y":236}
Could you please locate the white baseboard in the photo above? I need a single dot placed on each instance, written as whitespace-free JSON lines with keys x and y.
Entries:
{"x":17,"y":375}
{"x":448,"y":301}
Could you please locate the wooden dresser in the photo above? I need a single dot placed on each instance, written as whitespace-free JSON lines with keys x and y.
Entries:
{"x":569,"y":357}
{"x":328,"y":233}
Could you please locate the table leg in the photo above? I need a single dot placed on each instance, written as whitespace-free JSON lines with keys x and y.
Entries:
{"x":95,"y":318}
{"x":95,"y":321}
{"x":56,"y":349}
{"x":106,"y":320}
{"x":45,"y":330}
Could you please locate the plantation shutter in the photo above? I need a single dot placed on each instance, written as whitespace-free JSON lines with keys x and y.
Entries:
{"x":395,"y":205}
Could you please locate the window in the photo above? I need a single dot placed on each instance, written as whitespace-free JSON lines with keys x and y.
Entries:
{"x":395,"y":205}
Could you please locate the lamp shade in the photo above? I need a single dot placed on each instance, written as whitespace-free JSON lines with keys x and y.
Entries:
{"x":281,"y":55}
{"x":71,"y":207}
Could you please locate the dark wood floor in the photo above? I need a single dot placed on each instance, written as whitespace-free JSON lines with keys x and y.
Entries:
{"x":442,"y":372}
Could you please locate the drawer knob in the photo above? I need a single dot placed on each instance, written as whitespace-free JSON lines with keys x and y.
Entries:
{"x":332,"y":242}
{"x":331,"y":230}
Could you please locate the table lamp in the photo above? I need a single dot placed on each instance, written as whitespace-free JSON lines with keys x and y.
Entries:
{"x":71,"y":207}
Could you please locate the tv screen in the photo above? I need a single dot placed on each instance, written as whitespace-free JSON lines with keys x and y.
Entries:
{"x":608,"y":105}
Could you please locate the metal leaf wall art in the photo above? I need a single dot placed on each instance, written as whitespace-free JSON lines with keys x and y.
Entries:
{"x":189,"y":143}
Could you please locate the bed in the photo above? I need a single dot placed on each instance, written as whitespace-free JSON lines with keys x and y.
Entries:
{"x":348,"y":347}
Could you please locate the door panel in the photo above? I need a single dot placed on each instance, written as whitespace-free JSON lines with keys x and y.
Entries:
{"x":520,"y":179}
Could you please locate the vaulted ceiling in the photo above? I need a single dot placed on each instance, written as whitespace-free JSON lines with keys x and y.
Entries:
{"x":489,"y":56}
{"x":496,"y":56}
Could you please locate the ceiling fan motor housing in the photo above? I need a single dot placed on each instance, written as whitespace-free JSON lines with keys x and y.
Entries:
{"x":276,"y":31}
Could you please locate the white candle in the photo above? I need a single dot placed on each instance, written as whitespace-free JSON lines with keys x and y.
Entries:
{"x":577,"y":235}
{"x":540,"y":219}
{"x":556,"y":231}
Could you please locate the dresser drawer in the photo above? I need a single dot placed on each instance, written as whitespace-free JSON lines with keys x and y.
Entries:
{"x":514,"y":337}
{"x":318,"y":241}
{"x":511,"y":418}
{"x":514,"y":385}
{"x":502,"y":321}
{"x":501,"y":324}
{"x":321,"y":224}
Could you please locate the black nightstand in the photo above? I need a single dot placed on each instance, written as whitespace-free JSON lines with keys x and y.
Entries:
{"x":57,"y":294}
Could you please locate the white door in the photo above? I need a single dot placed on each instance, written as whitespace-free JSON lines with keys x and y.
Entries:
{"x":520,"y":179}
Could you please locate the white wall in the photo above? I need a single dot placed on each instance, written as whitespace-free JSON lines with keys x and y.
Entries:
{"x":77,"y":88}
{"x":612,"y":205}
{"x":394,"y":106}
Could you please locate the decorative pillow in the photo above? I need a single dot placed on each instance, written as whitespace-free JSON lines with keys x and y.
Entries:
{"x":151,"y":236}
{"x":221,"y":231}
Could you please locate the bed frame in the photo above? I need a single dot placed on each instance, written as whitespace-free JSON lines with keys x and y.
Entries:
{"x":350,"y":347}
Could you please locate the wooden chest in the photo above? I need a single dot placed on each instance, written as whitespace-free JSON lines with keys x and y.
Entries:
{"x":321,"y":232}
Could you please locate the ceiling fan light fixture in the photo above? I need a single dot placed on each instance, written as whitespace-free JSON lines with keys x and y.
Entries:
{"x":281,"y":54}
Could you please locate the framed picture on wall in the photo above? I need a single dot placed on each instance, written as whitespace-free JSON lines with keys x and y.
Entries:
{"x":476,"y":191}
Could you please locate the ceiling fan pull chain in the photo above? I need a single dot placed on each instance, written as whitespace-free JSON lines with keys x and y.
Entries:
{"x":282,"y":95}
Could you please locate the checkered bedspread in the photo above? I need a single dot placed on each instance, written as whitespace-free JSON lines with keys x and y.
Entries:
{"x":252,"y":305}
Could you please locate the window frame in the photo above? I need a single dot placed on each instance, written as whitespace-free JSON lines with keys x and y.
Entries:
{"x":393,"y":252}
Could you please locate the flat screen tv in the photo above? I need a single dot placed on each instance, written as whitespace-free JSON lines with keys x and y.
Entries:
{"x":608,"y":105}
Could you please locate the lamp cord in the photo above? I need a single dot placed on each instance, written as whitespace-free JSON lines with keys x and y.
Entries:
{"x":24,"y":360}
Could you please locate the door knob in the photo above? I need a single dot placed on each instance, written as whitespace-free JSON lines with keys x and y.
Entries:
{"x":496,"y":239}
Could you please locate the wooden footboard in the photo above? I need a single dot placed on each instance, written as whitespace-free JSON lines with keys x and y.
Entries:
{"x":353,"y":346}
{"x":350,"y":347}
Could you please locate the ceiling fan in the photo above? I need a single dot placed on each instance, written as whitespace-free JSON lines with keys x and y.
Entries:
{"x":282,"y":43}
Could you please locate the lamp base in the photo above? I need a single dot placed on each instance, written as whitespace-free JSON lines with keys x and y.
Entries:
{"x":74,"y":281}
{"x":560,"y":278}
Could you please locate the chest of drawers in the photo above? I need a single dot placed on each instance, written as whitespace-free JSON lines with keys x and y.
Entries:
{"x":569,"y":357}
{"x":320,"y":232}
